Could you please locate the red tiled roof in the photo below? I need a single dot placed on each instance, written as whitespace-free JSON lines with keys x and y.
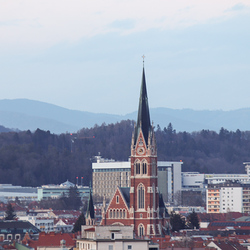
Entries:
{"x":53,"y":239}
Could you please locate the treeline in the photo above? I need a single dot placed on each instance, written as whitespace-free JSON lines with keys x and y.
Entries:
{"x":34,"y":159}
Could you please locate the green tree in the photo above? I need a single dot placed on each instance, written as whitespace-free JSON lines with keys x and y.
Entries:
{"x":80,"y":221}
{"x":177,"y":223}
{"x":193,"y":220}
{"x":10,"y":214}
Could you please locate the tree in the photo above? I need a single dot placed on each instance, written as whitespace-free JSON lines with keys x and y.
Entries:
{"x":193,"y":220}
{"x":177,"y":223}
{"x":74,"y":200}
{"x":80,"y":221}
{"x":10,"y":214}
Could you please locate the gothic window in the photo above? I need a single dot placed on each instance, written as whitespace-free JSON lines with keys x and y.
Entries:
{"x":124,"y":214}
{"x":121,"y":214}
{"x":137,"y":168}
{"x":140,"y":230}
{"x":110,"y":213}
{"x":144,"y":168}
{"x":141,"y":196}
{"x":117,"y":199}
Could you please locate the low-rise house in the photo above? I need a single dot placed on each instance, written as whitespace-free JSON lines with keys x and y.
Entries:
{"x":226,"y":245}
{"x":64,"y":225}
{"x":16,"y":230}
{"x":115,"y":237}
{"x":44,"y":224}
{"x":52,"y":241}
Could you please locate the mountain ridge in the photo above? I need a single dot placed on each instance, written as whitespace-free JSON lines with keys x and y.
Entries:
{"x":25,"y":114}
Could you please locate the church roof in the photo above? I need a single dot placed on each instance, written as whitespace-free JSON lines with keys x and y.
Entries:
{"x":90,"y":209}
{"x":126,"y":195}
{"x":162,"y":207}
{"x":143,"y":118}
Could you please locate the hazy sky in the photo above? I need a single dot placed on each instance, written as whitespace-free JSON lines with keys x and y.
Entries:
{"x":86,"y":55}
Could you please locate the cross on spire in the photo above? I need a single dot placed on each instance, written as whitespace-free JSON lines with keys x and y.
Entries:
{"x":143,"y":57}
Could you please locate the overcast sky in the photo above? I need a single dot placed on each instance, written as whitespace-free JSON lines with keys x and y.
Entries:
{"x":87,"y":55}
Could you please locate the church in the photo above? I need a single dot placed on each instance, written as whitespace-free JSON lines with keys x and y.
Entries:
{"x":140,"y":205}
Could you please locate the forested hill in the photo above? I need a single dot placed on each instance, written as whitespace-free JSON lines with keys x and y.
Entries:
{"x":33,"y":159}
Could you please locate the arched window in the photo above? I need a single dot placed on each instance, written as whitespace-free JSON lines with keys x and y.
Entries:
{"x":141,"y":230}
{"x":124,"y":214}
{"x":141,"y":196}
{"x":137,"y":168}
{"x":144,"y":168}
{"x":110,"y":213}
{"x":121,"y":214}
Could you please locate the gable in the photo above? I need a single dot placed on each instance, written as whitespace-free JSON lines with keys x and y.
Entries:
{"x":118,"y":201}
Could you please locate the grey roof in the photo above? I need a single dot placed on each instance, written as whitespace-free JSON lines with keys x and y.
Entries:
{"x":126,"y":195}
{"x":143,"y":118}
{"x":13,"y":225}
{"x":162,"y":206}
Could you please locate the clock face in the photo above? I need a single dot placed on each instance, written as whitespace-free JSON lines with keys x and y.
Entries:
{"x":140,"y":150}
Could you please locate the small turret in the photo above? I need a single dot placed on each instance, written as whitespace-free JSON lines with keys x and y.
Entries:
{"x":90,"y":214}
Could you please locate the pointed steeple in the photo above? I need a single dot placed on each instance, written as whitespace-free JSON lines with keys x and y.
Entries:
{"x":143,"y":118}
{"x":90,"y":214}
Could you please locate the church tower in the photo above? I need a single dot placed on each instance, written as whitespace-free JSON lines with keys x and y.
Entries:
{"x":141,"y":205}
{"x":144,"y":193}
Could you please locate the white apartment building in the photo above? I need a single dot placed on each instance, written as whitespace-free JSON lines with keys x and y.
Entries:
{"x":192,"y":180}
{"x":113,"y":238}
{"x":224,"y":197}
{"x":44,"y":224}
{"x":231,"y":199}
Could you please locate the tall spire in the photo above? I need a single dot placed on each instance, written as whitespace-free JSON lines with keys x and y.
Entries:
{"x":90,"y":214}
{"x":143,"y":118}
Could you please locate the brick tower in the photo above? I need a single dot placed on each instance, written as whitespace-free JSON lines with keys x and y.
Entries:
{"x":144,"y":194}
{"x":141,"y":205}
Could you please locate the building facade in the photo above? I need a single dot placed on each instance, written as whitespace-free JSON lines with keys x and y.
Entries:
{"x":56,"y":191}
{"x":226,"y":197}
{"x":112,"y":238}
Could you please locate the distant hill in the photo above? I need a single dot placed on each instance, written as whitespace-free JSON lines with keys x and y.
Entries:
{"x":4,"y":130}
{"x":26,"y":114}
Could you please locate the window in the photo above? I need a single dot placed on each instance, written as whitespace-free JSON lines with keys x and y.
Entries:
{"x":112,"y":237}
{"x":110,"y":247}
{"x":129,"y":247}
{"x":137,"y":166}
{"x":144,"y":168}
{"x":141,"y":230}
{"x":110,"y":214}
{"x":141,"y":195}
{"x":117,"y":199}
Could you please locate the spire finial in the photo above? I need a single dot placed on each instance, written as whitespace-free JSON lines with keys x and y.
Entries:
{"x":143,"y":57}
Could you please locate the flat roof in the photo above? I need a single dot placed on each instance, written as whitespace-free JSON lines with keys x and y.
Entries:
{"x":126,"y":164}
